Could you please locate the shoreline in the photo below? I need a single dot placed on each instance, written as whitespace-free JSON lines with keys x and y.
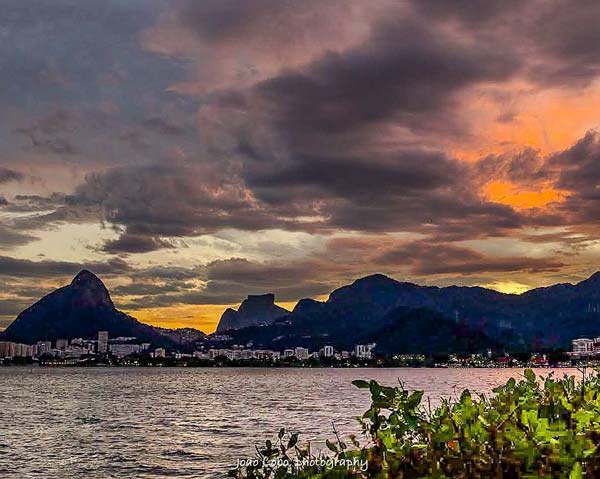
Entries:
{"x":237,"y":366}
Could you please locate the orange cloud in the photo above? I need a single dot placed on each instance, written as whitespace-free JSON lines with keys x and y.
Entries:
{"x":509,"y":194}
{"x":518,"y":115}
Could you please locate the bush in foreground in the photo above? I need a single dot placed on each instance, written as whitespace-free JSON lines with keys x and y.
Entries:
{"x":532,"y":428}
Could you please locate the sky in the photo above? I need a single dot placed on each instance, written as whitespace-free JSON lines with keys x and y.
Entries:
{"x":193,"y":152}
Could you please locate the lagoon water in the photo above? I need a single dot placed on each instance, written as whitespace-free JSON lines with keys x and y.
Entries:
{"x":189,"y":423}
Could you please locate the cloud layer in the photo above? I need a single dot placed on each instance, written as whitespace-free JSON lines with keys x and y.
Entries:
{"x":189,"y":142}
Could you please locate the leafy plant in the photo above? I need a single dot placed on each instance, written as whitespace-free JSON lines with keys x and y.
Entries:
{"x":537,"y":427}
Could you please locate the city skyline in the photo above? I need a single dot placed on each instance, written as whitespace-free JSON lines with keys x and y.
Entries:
{"x":195,"y":153}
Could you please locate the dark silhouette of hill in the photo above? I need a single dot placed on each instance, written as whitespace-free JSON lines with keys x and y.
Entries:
{"x":540,"y":318}
{"x":254,"y":311}
{"x":81,"y":309}
{"x":399,"y":316}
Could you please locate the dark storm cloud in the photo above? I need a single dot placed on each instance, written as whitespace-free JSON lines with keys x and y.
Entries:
{"x":405,"y":70}
{"x":315,"y":141}
{"x":522,"y":167}
{"x":128,"y":243}
{"x":444,"y":214}
{"x":195,"y":298}
{"x":23,"y":268}
{"x":578,"y":172}
{"x":161,"y":200}
{"x":169,"y":201}
{"x":425,"y":258}
{"x":329,"y":117}
{"x":35,"y":203}
{"x":10,"y":237}
{"x":349,"y":176}
{"x":558,"y":40}
{"x":326,"y":126}
{"x":7,"y":175}
{"x":579,"y":166}
{"x":566,"y":35}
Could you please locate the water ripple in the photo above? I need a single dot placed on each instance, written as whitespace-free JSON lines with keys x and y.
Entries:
{"x":189,"y":423}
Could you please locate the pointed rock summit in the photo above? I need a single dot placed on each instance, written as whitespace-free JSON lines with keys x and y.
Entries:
{"x":78,"y":310}
{"x":92,"y":291}
{"x":87,"y":278}
{"x":256,"y":310}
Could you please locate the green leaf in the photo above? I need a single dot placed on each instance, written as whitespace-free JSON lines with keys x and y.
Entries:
{"x":576,"y":472}
{"x":331,"y":446}
{"x":415,"y":399}
{"x":293,"y":440}
{"x":529,"y":375}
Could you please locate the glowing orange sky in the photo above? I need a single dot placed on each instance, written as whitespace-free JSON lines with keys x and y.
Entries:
{"x":205,"y":317}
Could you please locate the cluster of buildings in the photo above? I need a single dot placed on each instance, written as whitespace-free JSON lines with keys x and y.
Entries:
{"x":585,"y":348}
{"x":361,"y":351}
{"x":17,"y":350}
{"x":123,"y":347}
{"x":76,"y":348}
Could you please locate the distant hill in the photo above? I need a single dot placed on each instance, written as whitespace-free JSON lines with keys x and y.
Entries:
{"x":399,"y":316}
{"x":81,"y":309}
{"x":544,"y":317}
{"x":254,"y":311}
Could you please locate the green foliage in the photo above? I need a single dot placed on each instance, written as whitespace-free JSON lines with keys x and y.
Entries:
{"x":535,"y":427}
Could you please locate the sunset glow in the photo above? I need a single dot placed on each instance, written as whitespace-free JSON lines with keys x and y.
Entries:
{"x":194,"y":153}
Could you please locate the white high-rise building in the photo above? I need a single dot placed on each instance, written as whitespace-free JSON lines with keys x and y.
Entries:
{"x":582,"y":346}
{"x":301,"y":353}
{"x":102,"y":342}
{"x":62,"y":344}
{"x":363,"y":351}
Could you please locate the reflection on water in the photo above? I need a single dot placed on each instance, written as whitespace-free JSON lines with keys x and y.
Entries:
{"x":153,"y":423}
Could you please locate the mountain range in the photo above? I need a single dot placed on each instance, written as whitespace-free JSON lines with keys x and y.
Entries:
{"x":398,"y":316}
{"x":375,"y":307}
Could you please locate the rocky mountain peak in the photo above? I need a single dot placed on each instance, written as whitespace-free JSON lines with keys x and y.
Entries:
{"x":86,"y":278}
{"x":256,"y":310}
{"x":89,"y":290}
